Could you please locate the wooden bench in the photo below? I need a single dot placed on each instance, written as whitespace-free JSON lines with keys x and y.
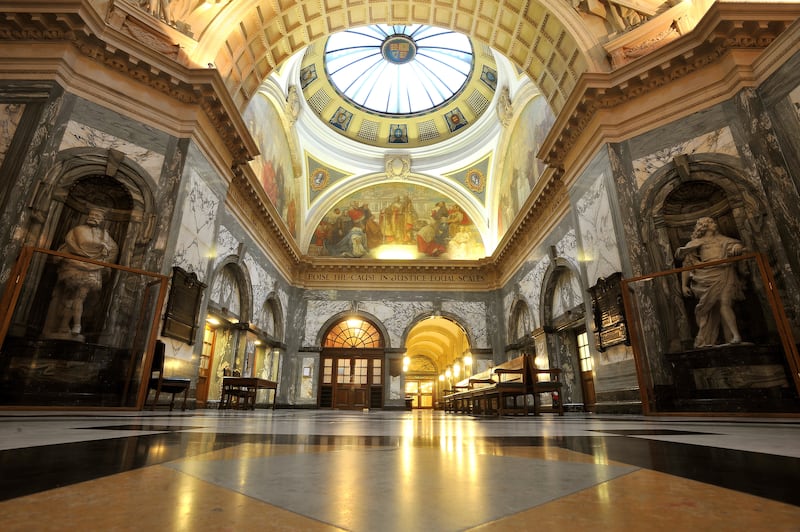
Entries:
{"x":505,"y":389}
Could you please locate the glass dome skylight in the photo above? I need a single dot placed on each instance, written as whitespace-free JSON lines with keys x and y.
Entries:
{"x":398,"y":70}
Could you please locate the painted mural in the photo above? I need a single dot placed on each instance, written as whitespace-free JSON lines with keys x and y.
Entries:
{"x":397,"y":221}
{"x":521,"y":168}
{"x":274,"y":164}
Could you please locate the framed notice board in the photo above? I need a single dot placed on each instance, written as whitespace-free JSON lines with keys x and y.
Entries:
{"x":183,"y":305}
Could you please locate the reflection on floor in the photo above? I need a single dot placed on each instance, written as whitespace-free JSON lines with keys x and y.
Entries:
{"x":421,"y":470}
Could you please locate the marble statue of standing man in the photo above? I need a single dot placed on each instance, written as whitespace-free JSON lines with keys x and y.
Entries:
{"x":715,"y":287}
{"x":77,"y":279}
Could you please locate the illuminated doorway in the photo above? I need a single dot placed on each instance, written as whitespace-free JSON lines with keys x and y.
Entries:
{"x":352,"y":366}
{"x":421,"y":392}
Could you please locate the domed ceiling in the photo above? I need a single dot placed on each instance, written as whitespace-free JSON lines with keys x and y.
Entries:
{"x":398,"y":86}
{"x":380,"y":143}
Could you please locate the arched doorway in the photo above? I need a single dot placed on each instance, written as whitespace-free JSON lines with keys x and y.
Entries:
{"x":228,"y":347}
{"x":564,"y":318}
{"x":352,"y":366}
{"x":437,"y":356}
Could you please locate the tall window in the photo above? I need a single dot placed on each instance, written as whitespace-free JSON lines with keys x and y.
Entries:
{"x":584,"y":355}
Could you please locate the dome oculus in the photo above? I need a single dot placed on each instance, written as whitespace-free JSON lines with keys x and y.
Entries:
{"x":398,"y":70}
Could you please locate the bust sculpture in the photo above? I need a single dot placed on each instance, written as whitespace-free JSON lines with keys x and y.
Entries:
{"x":77,"y":279}
{"x":714,"y":287}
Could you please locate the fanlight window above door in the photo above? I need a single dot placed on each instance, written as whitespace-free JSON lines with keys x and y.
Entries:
{"x":353,"y":333}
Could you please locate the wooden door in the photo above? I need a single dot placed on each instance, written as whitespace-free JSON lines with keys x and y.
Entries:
{"x":421,"y":392}
{"x":206,"y":359}
{"x":351,"y":389}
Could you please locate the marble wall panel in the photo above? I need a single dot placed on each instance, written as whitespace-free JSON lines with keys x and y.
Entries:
{"x":530,"y":289}
{"x":307,"y":388}
{"x":10,"y":115}
{"x":600,"y":251}
{"x":262,"y":285}
{"x":79,"y":135}
{"x":567,"y":248}
{"x":473,"y":314}
{"x":195,"y":242}
{"x":719,"y":141}
{"x":227,"y":245}
{"x":318,"y":311}
{"x":396,"y":316}
{"x":567,"y":293}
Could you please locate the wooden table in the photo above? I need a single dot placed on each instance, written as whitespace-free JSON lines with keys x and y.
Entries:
{"x":244,"y":389}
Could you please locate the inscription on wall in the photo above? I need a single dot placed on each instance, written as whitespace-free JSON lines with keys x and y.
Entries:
{"x":391,"y":277}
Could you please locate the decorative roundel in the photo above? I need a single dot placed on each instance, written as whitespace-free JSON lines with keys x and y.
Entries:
{"x":399,"y":49}
{"x":319,"y":179}
{"x":475,"y":180}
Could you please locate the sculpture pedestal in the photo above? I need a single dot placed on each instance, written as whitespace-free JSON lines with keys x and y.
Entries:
{"x":729,"y":378}
{"x":52,"y":372}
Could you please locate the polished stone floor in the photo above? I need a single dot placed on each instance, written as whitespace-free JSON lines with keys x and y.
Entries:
{"x":395,"y":471}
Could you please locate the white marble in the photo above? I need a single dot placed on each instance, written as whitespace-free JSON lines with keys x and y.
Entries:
{"x":567,"y":248}
{"x":474,"y":315}
{"x":318,"y":311}
{"x":20,"y":429}
{"x":530,"y":288}
{"x":195,"y":243}
{"x":719,"y":141}
{"x":600,"y":253}
{"x":396,"y":316}
{"x":79,"y":135}
{"x":227,"y":245}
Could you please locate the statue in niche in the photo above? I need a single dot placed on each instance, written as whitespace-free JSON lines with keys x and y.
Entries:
{"x":715,"y":287}
{"x":76,"y":279}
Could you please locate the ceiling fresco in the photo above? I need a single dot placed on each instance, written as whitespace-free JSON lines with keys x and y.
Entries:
{"x":397,"y":221}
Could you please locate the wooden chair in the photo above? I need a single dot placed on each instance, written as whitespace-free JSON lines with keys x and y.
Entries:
{"x":160,"y":383}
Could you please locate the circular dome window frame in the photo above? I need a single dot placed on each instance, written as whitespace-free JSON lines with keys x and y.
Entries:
{"x":458,"y":114}
{"x":468,"y":78}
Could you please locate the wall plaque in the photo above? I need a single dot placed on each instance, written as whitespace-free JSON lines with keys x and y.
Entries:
{"x":183,"y":305}
{"x":609,"y":312}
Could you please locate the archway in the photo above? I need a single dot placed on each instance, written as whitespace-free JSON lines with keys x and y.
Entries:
{"x":352,"y":365}
{"x":437,"y":355}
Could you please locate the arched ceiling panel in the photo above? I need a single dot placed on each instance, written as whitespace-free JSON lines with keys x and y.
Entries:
{"x":250,"y":38}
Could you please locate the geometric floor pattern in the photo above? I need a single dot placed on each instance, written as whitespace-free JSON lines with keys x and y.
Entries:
{"x":292,"y":470}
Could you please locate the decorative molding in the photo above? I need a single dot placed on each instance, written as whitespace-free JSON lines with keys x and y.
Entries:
{"x":136,"y":50}
{"x":725,"y":27}
{"x":397,"y":165}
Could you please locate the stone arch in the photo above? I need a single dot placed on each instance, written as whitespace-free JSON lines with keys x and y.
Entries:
{"x":272,"y":311}
{"x":559,"y":324}
{"x":437,"y":314}
{"x":520,"y":322}
{"x":560,"y":269}
{"x":238,"y":271}
{"x":358,"y":314}
{"x":716,"y":186}
{"x":542,"y":38}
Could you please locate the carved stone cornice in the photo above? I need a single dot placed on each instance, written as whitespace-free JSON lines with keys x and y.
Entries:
{"x":548,"y":198}
{"x":251,"y":204}
{"x":134,"y":47}
{"x":725,"y":27}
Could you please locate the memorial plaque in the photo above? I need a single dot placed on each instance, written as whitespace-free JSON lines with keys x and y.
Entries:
{"x":183,"y":305}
